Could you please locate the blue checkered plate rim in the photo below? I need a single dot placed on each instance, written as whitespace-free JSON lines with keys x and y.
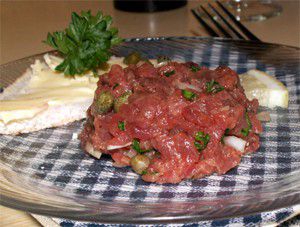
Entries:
{"x":47,"y":173}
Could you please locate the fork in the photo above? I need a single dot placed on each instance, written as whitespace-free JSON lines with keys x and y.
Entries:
{"x":226,"y":29}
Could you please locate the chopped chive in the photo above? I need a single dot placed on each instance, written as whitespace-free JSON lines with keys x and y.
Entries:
{"x":116,"y":85}
{"x":227,"y":131}
{"x":144,"y":172}
{"x":225,"y":134}
{"x":121,"y":125}
{"x":245,"y":131}
{"x":213,"y":87}
{"x":194,"y":68}
{"x":202,"y":140}
{"x":188,"y":94}
{"x":136,"y":146}
{"x":170,"y":73}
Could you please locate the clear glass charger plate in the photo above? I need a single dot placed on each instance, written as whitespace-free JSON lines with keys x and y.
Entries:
{"x":47,"y":173}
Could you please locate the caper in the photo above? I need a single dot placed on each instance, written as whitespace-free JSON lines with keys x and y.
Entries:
{"x":139,"y":163}
{"x":123,"y":99}
{"x":104,"y":66}
{"x":132,"y":58}
{"x":162,"y":59}
{"x":104,"y":102}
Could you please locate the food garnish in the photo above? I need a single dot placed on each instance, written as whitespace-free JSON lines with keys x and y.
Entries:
{"x":213,"y":87}
{"x":104,"y":102}
{"x":132,"y":58}
{"x":202,"y":140}
{"x":85,"y":44}
{"x":115,"y":86}
{"x":121,"y":125}
{"x":189,"y":95}
{"x":136,"y":146}
{"x":140,"y":163}
{"x":245,"y":131}
{"x":169,"y":73}
{"x":123,"y":99}
{"x":194,"y":68}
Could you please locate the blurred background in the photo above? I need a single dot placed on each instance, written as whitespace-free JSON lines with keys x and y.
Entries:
{"x":24,"y":24}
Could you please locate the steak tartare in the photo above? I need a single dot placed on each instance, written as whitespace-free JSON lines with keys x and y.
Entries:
{"x":172,"y":122}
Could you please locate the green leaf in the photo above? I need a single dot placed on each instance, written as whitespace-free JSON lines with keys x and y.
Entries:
{"x":116,"y":40}
{"x":85,"y":43}
{"x":50,"y":41}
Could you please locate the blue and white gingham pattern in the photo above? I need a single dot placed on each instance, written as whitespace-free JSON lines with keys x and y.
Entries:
{"x":267,"y":218}
{"x":53,"y":157}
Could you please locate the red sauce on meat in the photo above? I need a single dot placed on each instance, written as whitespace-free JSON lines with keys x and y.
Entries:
{"x":165,"y":122}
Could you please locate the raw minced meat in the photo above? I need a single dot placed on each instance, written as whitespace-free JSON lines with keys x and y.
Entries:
{"x":169,"y":122}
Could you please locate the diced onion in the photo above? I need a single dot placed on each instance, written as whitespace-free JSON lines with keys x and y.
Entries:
{"x":182,"y":86}
{"x":162,"y":63}
{"x":131,"y":153}
{"x":235,"y":142}
{"x":263,"y":116}
{"x":113,"y":147}
{"x":95,"y":153}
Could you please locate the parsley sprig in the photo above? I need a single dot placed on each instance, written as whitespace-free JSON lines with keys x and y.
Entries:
{"x":85,"y":44}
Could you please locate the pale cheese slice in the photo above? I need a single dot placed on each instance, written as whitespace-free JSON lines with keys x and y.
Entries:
{"x":48,"y":87}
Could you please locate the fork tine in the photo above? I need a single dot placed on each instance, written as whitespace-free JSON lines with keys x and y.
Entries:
{"x":206,"y":26}
{"x":226,"y":22}
{"x":216,"y":23}
{"x":249,"y":34}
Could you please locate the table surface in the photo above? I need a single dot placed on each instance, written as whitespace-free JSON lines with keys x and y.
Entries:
{"x":24,"y":24}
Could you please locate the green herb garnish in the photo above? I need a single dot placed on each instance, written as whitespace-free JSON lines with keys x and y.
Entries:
{"x":121,"y":125}
{"x":245,"y":131}
{"x":194,"y":68}
{"x":136,"y":146}
{"x":213,"y":87}
{"x":225,"y":134}
{"x":188,"y":94}
{"x":85,"y":44}
{"x":144,"y":172}
{"x":202,"y":140}
{"x":169,"y":73}
{"x":116,"y":85}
